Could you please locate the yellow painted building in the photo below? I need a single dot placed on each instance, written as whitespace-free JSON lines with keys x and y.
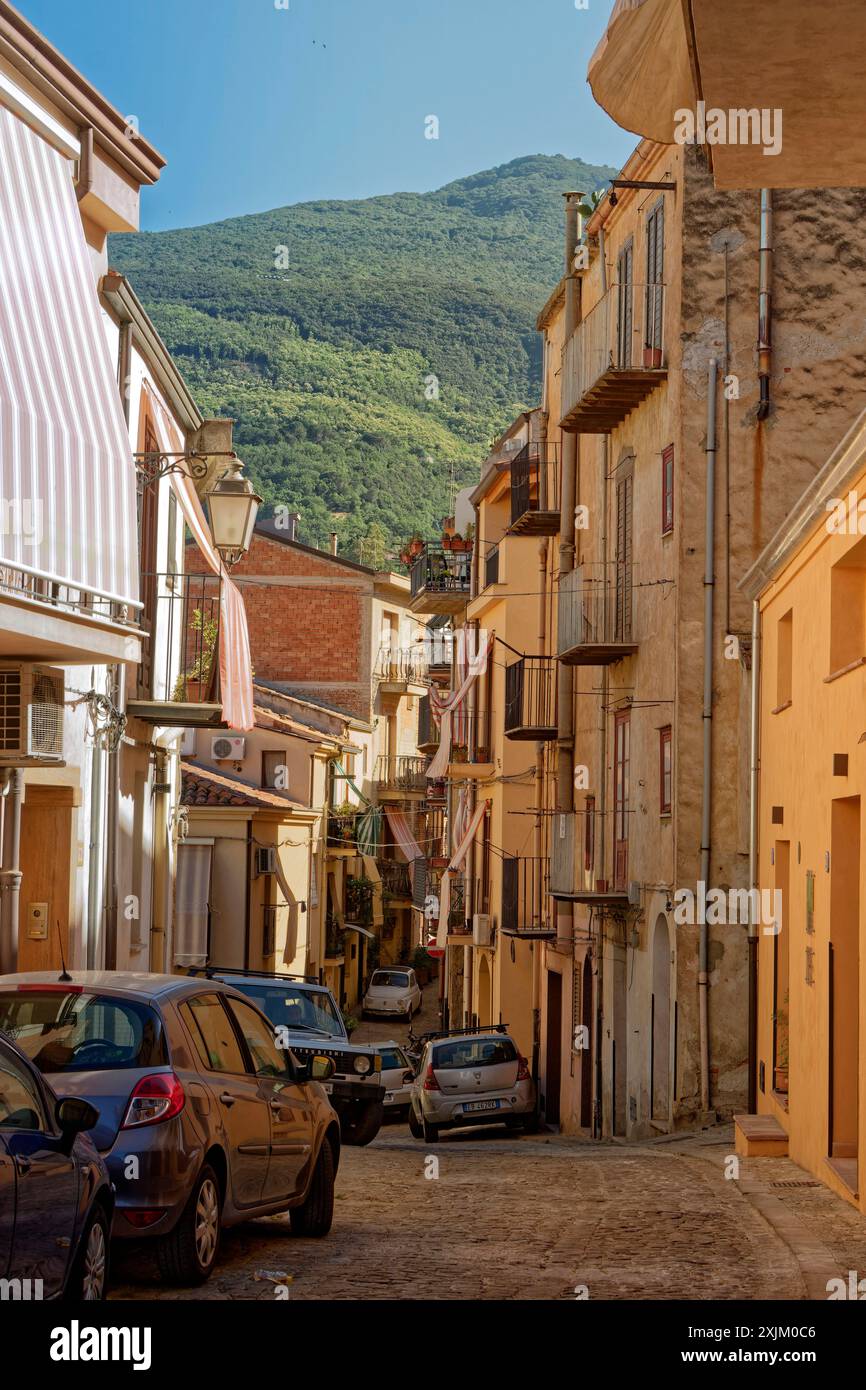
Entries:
{"x":810,"y":590}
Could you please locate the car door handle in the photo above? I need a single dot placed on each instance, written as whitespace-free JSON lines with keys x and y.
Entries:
{"x":276,"y":1106}
{"x":227,"y":1099}
{"x":22,"y":1163}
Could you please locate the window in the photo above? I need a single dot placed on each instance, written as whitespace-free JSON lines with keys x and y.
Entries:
{"x":667,"y":490}
{"x":291,"y":1006}
{"x":474,"y":1052}
{"x":213,"y":1034}
{"x":622,"y":611}
{"x":275,"y":772}
{"x":848,"y":609}
{"x":625,"y":291}
{"x":394,"y":1060}
{"x":389,"y":979}
{"x":655,"y":260}
{"x":20,"y":1104}
{"x":267,"y":1058}
{"x":76,"y":1030}
{"x":589,"y":835}
{"x":665,"y":768}
{"x":784,"y":659}
{"x":622,"y":762}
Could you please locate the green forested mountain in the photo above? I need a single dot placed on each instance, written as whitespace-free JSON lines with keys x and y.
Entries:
{"x":320,"y":329}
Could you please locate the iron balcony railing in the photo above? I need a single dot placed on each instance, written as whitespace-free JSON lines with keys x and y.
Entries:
{"x":457,"y":907}
{"x":342,"y":827}
{"x":407,"y":664}
{"x":396,"y":878}
{"x":16,"y":582}
{"x":530,"y":698}
{"x":535,"y":487}
{"x":181,"y":616}
{"x":441,"y":571}
{"x":595,"y":623}
{"x":623,"y":333}
{"x":526,"y":906}
{"x":471,"y":733}
{"x":401,"y":774}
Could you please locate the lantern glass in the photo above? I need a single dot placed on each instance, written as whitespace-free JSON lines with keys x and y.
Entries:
{"x":233,"y":507}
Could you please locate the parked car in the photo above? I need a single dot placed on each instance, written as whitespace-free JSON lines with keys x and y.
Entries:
{"x":203,"y":1122}
{"x":56,"y":1201}
{"x":393,"y":992}
{"x":471,"y":1078}
{"x":397,"y":1077}
{"x":310,"y":1023}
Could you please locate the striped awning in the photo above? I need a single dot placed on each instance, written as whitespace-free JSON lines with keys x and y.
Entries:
{"x":68,"y":478}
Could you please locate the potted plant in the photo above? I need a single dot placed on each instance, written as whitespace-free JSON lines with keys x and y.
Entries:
{"x":652,"y":357}
{"x":191,"y":687}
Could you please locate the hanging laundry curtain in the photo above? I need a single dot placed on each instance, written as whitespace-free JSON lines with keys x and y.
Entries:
{"x":368,"y":825}
{"x":446,"y":708}
{"x":290,"y":949}
{"x":404,"y":839}
{"x":456,"y":860}
{"x":236,"y":677}
{"x":66,"y":462}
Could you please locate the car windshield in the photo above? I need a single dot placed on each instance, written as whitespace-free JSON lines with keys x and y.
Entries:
{"x":473,"y":1052}
{"x":75,"y":1030}
{"x":390,"y":979}
{"x":289,"y":1006}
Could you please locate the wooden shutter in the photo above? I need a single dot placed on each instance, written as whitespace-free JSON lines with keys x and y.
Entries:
{"x":624,"y":490}
{"x":655,"y":255}
{"x":624,"y":267}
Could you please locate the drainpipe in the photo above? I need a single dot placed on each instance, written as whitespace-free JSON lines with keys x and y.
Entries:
{"x":706,"y":797}
{"x":538,"y":841}
{"x":753,"y":855}
{"x":10,"y":877}
{"x":158,"y":929}
{"x":765,"y":303}
{"x":84,"y":182}
{"x":95,"y":954}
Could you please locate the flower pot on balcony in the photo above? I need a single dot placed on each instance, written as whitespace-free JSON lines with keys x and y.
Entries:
{"x":601,"y":885}
{"x":780,"y":1080}
{"x":652,"y":358}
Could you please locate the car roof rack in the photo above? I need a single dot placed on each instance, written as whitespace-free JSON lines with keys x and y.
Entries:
{"x":464,"y":1032}
{"x":212,"y":969}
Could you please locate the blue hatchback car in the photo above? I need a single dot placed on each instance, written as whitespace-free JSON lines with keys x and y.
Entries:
{"x":56,"y":1199}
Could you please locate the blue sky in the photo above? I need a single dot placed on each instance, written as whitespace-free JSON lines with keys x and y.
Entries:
{"x":255,"y":107}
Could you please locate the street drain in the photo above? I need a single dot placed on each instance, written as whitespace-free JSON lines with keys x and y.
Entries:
{"x":806,"y":1182}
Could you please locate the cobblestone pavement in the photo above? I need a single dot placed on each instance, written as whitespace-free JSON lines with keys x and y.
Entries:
{"x":537,"y":1217}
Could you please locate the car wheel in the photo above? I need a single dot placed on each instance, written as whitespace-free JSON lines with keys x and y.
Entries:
{"x":431,"y":1132}
{"x":89,"y":1277}
{"x":415,"y":1128}
{"x":187,"y":1255}
{"x":313,"y":1217}
{"x":364,"y":1129}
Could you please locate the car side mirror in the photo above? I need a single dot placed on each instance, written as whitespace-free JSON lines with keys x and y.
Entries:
{"x":322,"y":1068}
{"x":74,"y":1116}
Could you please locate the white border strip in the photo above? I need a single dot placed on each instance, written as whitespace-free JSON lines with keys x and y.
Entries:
{"x":22,"y":105}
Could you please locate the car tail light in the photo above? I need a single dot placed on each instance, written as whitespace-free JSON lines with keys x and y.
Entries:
{"x":144,"y":1216}
{"x":155,"y":1098}
{"x":523,"y":1070}
{"x":430,"y":1082}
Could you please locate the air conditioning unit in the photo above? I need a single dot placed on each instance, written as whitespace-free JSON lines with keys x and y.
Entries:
{"x":229,"y":750}
{"x":481,"y":929}
{"x":266,"y":859}
{"x":31,"y":713}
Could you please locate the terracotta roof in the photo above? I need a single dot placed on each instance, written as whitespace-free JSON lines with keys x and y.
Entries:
{"x":204,"y":787}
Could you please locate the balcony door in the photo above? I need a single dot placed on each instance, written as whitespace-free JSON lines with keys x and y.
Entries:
{"x":621,"y":758}
{"x":625,"y":305}
{"x":624,"y":507}
{"x":655,"y":261}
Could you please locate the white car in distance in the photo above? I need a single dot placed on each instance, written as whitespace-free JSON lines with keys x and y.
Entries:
{"x":392,"y":992}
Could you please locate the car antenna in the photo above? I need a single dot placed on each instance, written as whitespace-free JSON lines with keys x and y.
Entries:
{"x":65,"y":977}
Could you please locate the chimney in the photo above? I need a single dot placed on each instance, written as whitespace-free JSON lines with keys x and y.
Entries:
{"x":294,"y":523}
{"x":333,"y":542}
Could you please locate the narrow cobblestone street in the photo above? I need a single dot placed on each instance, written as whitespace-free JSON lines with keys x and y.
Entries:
{"x":537,"y":1217}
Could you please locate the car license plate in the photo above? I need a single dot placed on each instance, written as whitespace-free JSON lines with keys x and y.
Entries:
{"x":482,"y":1105}
{"x":328,"y":1087}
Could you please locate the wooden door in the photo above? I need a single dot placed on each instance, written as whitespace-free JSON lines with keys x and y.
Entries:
{"x":624,"y":508}
{"x":46,"y":846}
{"x":622,"y":738}
{"x":625,"y":311}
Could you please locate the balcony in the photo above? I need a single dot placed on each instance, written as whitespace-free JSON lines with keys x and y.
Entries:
{"x":614,"y":359}
{"x":471,"y":746}
{"x":401,"y":670}
{"x":400,"y":776}
{"x":535,"y":491}
{"x":570,"y":879}
{"x":396,"y":878}
{"x":182,"y":617}
{"x":530,"y":698}
{"x":342,"y":831}
{"x":44,"y":620}
{"x":428,"y":729}
{"x":440,"y":580}
{"x":526,"y":908}
{"x":595,"y":617}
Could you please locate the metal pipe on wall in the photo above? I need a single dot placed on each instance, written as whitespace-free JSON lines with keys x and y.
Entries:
{"x":765,"y":302}
{"x":753,"y":854}
{"x":707,"y":788}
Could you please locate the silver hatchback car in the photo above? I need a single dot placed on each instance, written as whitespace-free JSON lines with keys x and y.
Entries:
{"x":471,"y":1078}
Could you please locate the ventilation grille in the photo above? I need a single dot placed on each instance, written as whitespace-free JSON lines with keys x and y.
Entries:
{"x":46,"y":715}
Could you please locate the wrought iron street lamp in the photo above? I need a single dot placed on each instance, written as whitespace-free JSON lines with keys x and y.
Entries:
{"x":232,"y":507}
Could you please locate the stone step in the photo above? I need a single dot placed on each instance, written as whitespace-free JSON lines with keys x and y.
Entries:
{"x":759,"y":1136}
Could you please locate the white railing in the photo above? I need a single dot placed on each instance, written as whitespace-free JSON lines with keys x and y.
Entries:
{"x":624,"y":331}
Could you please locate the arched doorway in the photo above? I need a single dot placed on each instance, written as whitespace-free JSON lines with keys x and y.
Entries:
{"x":660,"y":1066}
{"x":485,"y":1005}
